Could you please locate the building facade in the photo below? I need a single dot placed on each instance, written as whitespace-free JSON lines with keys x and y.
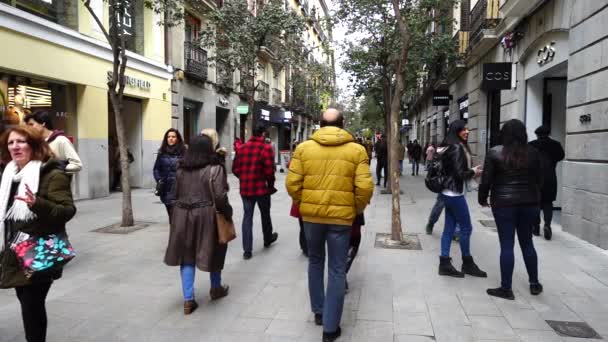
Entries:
{"x":56,"y":59}
{"x":543,"y":62}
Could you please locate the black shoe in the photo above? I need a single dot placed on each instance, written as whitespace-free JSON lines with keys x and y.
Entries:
{"x":247,"y":255}
{"x":536,"y":289}
{"x":378,"y":184}
{"x":446,"y":268}
{"x":305,"y":252}
{"x":273,"y":238}
{"x":536,"y":230}
{"x":330,"y":337}
{"x":318,"y":319}
{"x":548,"y":233}
{"x":501,"y":293}
{"x":429,"y":229}
{"x":469,"y":267}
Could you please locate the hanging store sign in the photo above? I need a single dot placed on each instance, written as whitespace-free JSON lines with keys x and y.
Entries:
{"x":546,"y":54}
{"x":133,"y":82}
{"x":463,"y":107}
{"x":497,"y":76}
{"x":242,"y":109}
{"x":441,"y":98}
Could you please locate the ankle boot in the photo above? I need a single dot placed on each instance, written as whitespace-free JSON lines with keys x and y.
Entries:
{"x":469,"y":267}
{"x":190,"y":306}
{"x":219,"y":292}
{"x":536,"y":230}
{"x":429,"y":229}
{"x":447,"y":269}
{"x":548,"y":232}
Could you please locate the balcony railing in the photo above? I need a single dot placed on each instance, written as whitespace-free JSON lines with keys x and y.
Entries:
{"x":485,"y":15}
{"x":263,"y":92}
{"x":246,"y":83}
{"x":195,"y":61}
{"x":277,"y":96}
{"x":305,"y":8}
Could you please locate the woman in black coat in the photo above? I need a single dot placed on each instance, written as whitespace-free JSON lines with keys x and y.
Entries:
{"x":552,"y":153}
{"x":165,"y":167}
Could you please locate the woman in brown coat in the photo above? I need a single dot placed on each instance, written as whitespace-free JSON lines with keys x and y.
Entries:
{"x":193,"y":240}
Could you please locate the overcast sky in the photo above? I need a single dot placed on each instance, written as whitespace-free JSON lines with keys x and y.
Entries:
{"x":339,"y":36}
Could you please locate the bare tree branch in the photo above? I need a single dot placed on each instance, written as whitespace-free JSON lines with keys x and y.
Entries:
{"x":87,"y":4}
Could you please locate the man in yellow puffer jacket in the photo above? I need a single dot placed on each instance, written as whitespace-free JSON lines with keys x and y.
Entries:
{"x":330,"y":181}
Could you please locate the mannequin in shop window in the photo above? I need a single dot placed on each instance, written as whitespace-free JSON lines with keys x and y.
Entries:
{"x":62,"y":146}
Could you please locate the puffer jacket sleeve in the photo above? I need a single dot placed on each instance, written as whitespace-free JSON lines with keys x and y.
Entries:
{"x":57,"y":207}
{"x":364,"y":184}
{"x":487,"y":179}
{"x":295,"y":177}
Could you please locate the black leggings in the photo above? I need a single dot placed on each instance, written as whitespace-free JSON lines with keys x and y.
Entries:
{"x":33,"y":310}
{"x":546,"y":208}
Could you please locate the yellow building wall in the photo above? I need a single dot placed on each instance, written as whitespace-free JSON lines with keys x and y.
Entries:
{"x":92,"y":109}
{"x":90,"y":74}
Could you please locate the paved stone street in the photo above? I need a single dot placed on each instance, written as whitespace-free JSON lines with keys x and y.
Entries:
{"x":118,"y":289}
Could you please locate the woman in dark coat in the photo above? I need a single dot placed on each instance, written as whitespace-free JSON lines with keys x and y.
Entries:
{"x":35,"y":198}
{"x":193,"y":238}
{"x":512,"y":177}
{"x":165,"y":167}
{"x":552,"y":153}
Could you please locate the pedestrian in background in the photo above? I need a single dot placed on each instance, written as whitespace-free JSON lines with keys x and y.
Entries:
{"x":329,"y":166}
{"x":457,"y":167}
{"x":254,"y":167}
{"x":381,"y":149}
{"x":60,"y":145}
{"x":35,"y":198}
{"x":201,"y":189}
{"x":410,"y":148}
{"x":552,"y":153}
{"x":430,"y":153}
{"x":170,"y":152}
{"x":401,"y":155}
{"x":221,"y":152}
{"x":512,"y":177}
{"x":416,"y":157}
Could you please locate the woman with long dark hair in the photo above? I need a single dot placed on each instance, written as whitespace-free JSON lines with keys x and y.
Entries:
{"x":456,"y":157}
{"x":171,"y":150}
{"x":513,"y":178}
{"x":193,"y":240}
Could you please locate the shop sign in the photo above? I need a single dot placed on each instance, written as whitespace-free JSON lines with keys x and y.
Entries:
{"x":441,"y":98}
{"x":546,"y":54}
{"x":133,"y":82}
{"x":242,"y":109}
{"x":125,"y":18}
{"x":497,"y":76}
{"x":223,"y":101}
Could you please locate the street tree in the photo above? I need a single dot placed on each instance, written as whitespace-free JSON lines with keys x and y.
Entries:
{"x":396,"y":39}
{"x":118,"y":35}
{"x":243,"y":37}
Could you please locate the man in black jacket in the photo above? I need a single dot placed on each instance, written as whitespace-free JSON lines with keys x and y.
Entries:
{"x":552,"y":153}
{"x":381,"y":149}
{"x":416,"y":156}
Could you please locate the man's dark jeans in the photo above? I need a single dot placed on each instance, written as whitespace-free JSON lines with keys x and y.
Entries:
{"x":508,"y":221}
{"x":247,"y":227}
{"x":382,"y":164}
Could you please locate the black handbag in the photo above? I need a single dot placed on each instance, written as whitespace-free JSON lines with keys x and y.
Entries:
{"x":160,"y":186}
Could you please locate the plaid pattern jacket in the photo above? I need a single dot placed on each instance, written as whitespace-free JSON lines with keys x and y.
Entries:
{"x":254,"y":167}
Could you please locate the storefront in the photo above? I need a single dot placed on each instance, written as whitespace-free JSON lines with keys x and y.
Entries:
{"x":70,"y":81}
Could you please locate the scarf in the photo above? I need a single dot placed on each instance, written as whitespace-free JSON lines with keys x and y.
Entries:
{"x":19,"y":211}
{"x":175,"y":150}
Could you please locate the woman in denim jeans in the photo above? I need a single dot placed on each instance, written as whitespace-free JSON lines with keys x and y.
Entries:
{"x":513,"y":178}
{"x":456,"y":160}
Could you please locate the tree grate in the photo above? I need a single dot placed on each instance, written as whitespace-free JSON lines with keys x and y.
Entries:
{"x":574,"y":329}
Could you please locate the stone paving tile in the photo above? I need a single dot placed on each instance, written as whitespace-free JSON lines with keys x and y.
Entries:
{"x":456,"y":333}
{"x":537,"y":336}
{"x":372,"y":331}
{"x":492,"y":328}
{"x":413,"y":324}
{"x":525,"y":319}
{"x":479,"y":305}
{"x":413,"y":338}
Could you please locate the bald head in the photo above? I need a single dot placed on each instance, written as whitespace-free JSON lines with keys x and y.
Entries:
{"x":332,"y":117}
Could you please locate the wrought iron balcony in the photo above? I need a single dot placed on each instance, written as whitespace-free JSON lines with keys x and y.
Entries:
{"x":246,"y":83}
{"x":484,"y":16}
{"x":277,"y":96}
{"x":195,"y":61}
{"x":305,"y":8}
{"x":263,"y":92}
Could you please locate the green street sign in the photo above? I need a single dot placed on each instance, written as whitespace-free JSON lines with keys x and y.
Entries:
{"x":242,"y":109}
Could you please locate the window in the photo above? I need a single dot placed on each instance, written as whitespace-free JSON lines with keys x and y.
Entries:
{"x":192,"y":28}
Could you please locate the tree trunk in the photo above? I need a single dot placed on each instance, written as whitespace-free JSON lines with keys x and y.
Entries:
{"x":400,"y":61}
{"x":127,"y":207}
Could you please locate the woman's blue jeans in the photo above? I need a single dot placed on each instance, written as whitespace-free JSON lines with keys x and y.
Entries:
{"x":187,"y":272}
{"x":508,"y":221}
{"x":456,"y":214}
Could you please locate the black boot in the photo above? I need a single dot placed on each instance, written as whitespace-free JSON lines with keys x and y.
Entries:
{"x":536,"y":289}
{"x":501,"y":293}
{"x":469,"y":267}
{"x":332,"y":336}
{"x":548,"y":232}
{"x":446,"y":268}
